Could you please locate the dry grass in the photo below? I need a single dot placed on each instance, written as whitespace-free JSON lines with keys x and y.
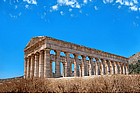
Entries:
{"x":101,"y":84}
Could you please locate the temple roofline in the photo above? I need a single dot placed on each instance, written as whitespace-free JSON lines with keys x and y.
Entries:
{"x":55,"y":39}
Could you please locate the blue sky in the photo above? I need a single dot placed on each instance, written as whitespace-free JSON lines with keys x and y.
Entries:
{"x":109,"y":25}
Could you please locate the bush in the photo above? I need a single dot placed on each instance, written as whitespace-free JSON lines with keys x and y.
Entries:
{"x":97,"y":84}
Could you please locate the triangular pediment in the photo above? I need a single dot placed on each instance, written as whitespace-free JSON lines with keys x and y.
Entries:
{"x":35,"y":40}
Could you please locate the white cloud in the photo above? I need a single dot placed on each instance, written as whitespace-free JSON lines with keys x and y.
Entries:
{"x":70,"y":10}
{"x":62,"y":13}
{"x":95,"y":7}
{"x":55,"y":7}
{"x":133,"y":5}
{"x":26,"y":6}
{"x":126,"y":3}
{"x":107,"y":1}
{"x":31,"y":1}
{"x":119,"y":1}
{"x":134,"y":8}
{"x":70,"y":3}
{"x":16,"y":6}
{"x":85,"y":1}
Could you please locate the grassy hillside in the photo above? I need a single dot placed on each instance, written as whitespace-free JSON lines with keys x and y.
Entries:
{"x":105,"y":84}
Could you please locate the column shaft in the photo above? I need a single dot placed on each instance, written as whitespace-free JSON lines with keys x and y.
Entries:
{"x":111,"y":67}
{"x":67,"y":65}
{"x":127,"y":72}
{"x":51,"y":74}
{"x":47,"y":63}
{"x":41,"y":64}
{"x":108,"y":67}
{"x":75,"y":65}
{"x":123,"y":69}
{"x":84,"y":66}
{"x":97,"y":66}
{"x":32,"y":66}
{"x":58,"y":74}
{"x":36,"y":66}
{"x":25,"y":67}
{"x":28,"y":67}
{"x":90,"y":67}
{"x":119,"y":68}
{"x":116,"y":68}
{"x":102,"y":67}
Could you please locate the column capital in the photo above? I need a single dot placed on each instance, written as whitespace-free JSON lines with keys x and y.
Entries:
{"x":76,"y":55}
{"x":41,"y":51}
{"x":25,"y":58}
{"x":47,"y":49}
{"x":83,"y":56}
{"x":97,"y":59}
{"x":90,"y":57}
{"x":103,"y":60}
{"x":57,"y":53}
{"x":32,"y":55}
{"x":67,"y":54}
{"x":36,"y":54}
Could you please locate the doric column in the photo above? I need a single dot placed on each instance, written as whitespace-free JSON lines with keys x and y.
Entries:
{"x":51,"y":74}
{"x":41,"y":64}
{"x":71,"y":74}
{"x":80,"y":70}
{"x":25,"y":67}
{"x":58,"y":74}
{"x":84,"y":66}
{"x":116,"y":68}
{"x":121,"y":68}
{"x":94,"y":67}
{"x":113,"y":67}
{"x":75,"y":65}
{"x":67,"y":65}
{"x":102,"y":67}
{"x":63,"y":72}
{"x":124,"y":72}
{"x":32,"y":66}
{"x":97,"y":66}
{"x":27,"y":70}
{"x":47,"y":64}
{"x":126,"y":68}
{"x":28,"y":67}
{"x":107,"y":67}
{"x":90,"y":66}
{"x":36,"y":66}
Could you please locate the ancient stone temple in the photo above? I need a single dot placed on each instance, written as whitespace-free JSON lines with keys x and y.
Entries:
{"x":48,"y":57}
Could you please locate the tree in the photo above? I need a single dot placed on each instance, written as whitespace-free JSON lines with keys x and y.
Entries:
{"x":134,"y":68}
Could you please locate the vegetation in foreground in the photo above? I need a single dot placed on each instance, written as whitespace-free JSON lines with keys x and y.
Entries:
{"x":101,"y":84}
{"x":134,"y":68}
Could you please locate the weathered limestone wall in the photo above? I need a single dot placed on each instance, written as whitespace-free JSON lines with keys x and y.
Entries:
{"x":86,"y":61}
